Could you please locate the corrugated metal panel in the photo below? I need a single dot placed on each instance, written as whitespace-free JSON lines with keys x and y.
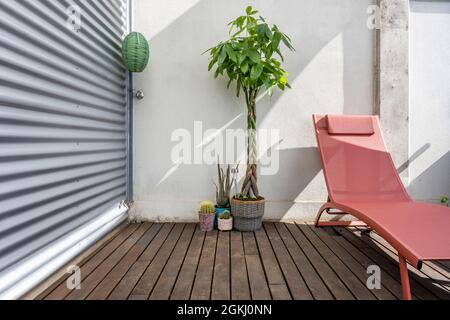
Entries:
{"x":63,"y":128}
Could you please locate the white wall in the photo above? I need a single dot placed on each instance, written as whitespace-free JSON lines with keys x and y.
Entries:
{"x":430,"y":100}
{"x":331,"y":72}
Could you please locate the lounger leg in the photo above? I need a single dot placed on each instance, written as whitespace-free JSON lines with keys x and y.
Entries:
{"x":319,"y":214}
{"x":404,"y":277}
{"x":328,"y":206}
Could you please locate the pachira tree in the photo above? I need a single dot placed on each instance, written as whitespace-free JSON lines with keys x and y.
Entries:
{"x":252,"y":59}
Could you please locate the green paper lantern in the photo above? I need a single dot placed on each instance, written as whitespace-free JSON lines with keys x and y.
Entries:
{"x":135,"y":52}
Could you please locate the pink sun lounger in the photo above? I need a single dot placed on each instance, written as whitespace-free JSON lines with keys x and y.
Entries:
{"x":362,"y":181}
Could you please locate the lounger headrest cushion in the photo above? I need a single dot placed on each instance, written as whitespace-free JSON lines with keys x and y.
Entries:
{"x":350,"y":125}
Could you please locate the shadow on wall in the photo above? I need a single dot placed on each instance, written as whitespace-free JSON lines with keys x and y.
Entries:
{"x":298,"y":167}
{"x":180,"y":91}
{"x":434,"y":182}
{"x":413,"y":157}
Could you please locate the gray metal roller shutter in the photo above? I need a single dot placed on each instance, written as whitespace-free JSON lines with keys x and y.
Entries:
{"x":63,"y":128}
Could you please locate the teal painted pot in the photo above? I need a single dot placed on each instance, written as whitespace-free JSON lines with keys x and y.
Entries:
{"x":219,"y":211}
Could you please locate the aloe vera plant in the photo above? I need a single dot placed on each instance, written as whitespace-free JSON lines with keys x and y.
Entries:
{"x":223,"y":187}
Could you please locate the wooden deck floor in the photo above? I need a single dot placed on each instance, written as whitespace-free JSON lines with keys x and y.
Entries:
{"x":282,"y":261}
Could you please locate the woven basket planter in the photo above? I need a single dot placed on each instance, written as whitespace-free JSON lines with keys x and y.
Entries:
{"x":206,"y":221}
{"x":225,"y":224}
{"x":247,"y":214}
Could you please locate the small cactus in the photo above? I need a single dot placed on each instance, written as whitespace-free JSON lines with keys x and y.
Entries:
{"x":207,"y":207}
{"x":225,"y":215}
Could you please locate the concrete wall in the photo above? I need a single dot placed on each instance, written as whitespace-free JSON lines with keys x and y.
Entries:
{"x":331,"y":72}
{"x":430,"y":100}
{"x":393,"y":77}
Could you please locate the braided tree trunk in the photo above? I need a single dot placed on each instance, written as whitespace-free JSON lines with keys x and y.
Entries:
{"x":249,"y":187}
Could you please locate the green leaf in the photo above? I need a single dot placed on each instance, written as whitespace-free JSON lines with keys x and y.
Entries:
{"x":231,"y":53}
{"x":216,"y":74}
{"x":244,"y":68}
{"x":223,"y":55}
{"x":249,"y":10}
{"x":257,"y":69}
{"x":287,"y":42}
{"x":211,"y":64}
{"x":280,"y":54}
{"x":241,"y":58}
{"x":240,"y":21}
{"x":269,"y":52}
{"x":253,"y":54}
{"x":268,"y":32}
{"x":276,"y":41}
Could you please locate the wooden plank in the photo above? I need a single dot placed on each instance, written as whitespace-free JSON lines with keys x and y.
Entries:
{"x":357,"y":269}
{"x":166,"y":281}
{"x":258,"y":284}
{"x":105,"y":267}
{"x":440,"y":266}
{"x":279,"y":292}
{"x":183,"y":285}
{"x":221,"y":278}
{"x":387,"y":280}
{"x":295,"y":282}
{"x":420,"y":276}
{"x":331,"y":280}
{"x":106,"y":286}
{"x":315,"y":284}
{"x":250,"y":247}
{"x":444,"y":264}
{"x":201,"y":289}
{"x":240,"y":289}
{"x":149,"y":253}
{"x":270,"y":263}
{"x":438,"y":277}
{"x":126,"y":285}
{"x":385,"y":263}
{"x":356,"y":287}
{"x":123,"y":290}
{"x":257,"y":279}
{"x":61,"y":291}
{"x":150,"y":277}
{"x":45,"y":288}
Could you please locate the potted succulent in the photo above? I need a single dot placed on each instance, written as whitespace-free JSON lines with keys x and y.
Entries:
{"x":225,"y":221}
{"x":207,"y":215}
{"x":223,"y":188}
{"x":252,"y":58}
